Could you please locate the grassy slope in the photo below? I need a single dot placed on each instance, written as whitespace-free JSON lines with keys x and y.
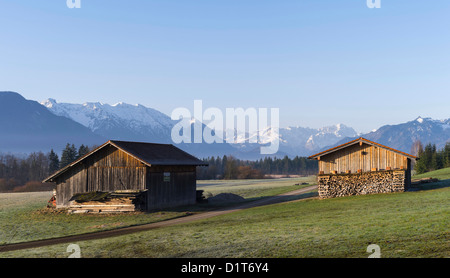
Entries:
{"x":411,"y":224}
{"x":441,"y":174}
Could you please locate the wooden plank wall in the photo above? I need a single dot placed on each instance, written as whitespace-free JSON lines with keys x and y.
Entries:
{"x":108,"y":179}
{"x":109,"y":169}
{"x":180,"y":190}
{"x":365,"y":157}
{"x":73,"y":181}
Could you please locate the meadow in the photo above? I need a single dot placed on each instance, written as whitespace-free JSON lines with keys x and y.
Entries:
{"x":24,"y":217}
{"x":403,"y":225}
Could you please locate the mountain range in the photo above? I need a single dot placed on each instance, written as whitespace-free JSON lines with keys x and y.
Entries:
{"x":27,"y":126}
{"x":402,"y":136}
{"x":123,"y":121}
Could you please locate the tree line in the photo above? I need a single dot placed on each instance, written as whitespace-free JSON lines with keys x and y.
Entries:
{"x":25,"y":173}
{"x":430,"y":158}
{"x":229,"y":167}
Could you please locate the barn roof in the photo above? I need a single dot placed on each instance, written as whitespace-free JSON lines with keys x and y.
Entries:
{"x":147,"y":153}
{"x":158,"y":154}
{"x":359,"y":141}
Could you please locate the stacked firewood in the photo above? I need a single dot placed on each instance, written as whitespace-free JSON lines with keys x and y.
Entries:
{"x":340,"y":185}
{"x":104,"y":202}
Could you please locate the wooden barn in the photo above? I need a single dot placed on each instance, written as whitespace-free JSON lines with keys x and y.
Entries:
{"x":362,"y":167}
{"x":159,"y":175}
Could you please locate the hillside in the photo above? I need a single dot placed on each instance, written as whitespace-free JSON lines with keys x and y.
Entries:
{"x":441,"y":174}
{"x":27,"y":126}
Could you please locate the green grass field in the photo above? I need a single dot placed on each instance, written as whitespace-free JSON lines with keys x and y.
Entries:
{"x":410,"y":224}
{"x":442,"y":174}
{"x":251,"y":189}
{"x":23,"y":216}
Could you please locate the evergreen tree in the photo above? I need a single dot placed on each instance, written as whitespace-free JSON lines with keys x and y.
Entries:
{"x":427,"y":156}
{"x":53,"y":162}
{"x":69,"y":155}
{"x":436,"y":161}
{"x":82,"y":151}
{"x":446,"y":156}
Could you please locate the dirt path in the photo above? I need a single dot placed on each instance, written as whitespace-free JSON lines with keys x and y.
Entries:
{"x":134,"y":229}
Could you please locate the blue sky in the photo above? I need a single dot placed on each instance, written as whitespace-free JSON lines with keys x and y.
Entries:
{"x":319,"y":62}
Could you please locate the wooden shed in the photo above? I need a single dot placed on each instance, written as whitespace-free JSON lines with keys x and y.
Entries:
{"x":166,"y":174}
{"x":362,"y":167}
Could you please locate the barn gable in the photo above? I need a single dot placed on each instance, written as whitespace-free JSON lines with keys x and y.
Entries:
{"x":361,"y":155}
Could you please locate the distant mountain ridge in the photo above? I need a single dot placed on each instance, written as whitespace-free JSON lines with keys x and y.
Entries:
{"x":26,"y":126}
{"x":120,"y":121}
{"x":128,"y":122}
{"x":138,"y":123}
{"x":403,"y":136}
{"x":300,"y":141}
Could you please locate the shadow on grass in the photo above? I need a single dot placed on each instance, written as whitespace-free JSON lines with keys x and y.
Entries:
{"x":247,"y":203}
{"x":429,"y":186}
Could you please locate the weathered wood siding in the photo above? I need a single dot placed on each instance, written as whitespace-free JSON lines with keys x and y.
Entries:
{"x":361,"y":157}
{"x":108,"y":170}
{"x":179,"y":190}
{"x":74,"y":181}
{"x":111,"y":169}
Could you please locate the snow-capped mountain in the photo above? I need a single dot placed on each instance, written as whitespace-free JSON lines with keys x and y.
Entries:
{"x":317,"y":138}
{"x":402,"y":136}
{"x":128,"y":122}
{"x":26,"y":126}
{"x":120,"y":121}
{"x":139,"y":123}
{"x":301,"y":141}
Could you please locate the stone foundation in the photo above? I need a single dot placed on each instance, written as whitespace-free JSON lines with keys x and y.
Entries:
{"x":339,"y":185}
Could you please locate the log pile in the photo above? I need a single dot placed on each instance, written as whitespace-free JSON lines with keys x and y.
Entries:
{"x":339,"y":185}
{"x":107,"y":202}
